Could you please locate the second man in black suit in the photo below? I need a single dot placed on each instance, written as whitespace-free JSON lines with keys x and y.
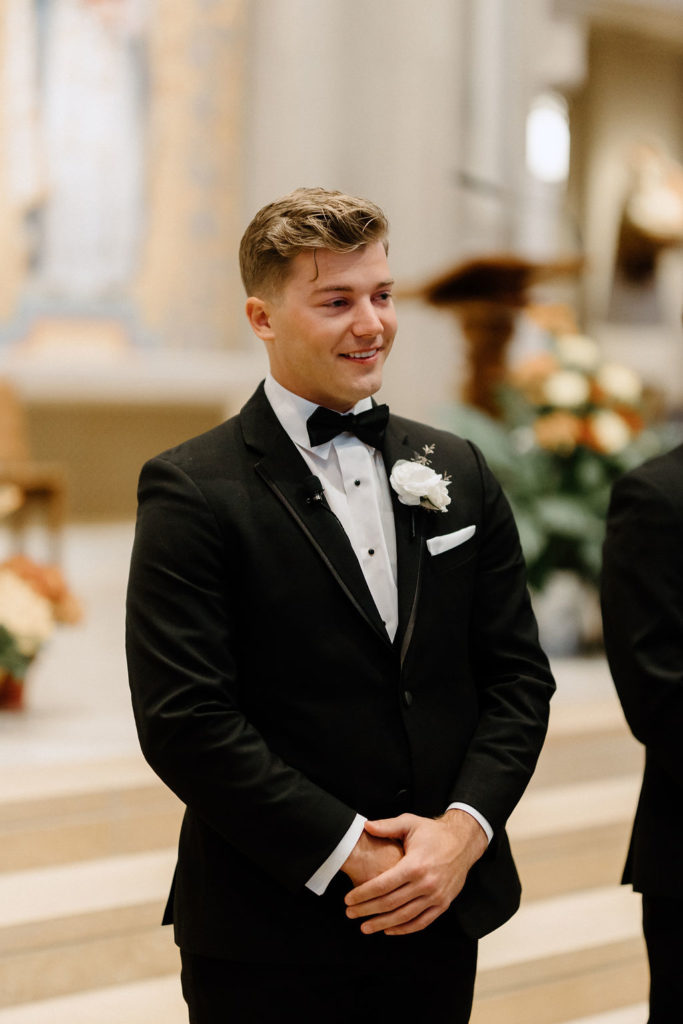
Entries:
{"x":642,"y":602}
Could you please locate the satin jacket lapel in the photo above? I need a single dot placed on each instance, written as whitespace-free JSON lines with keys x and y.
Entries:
{"x":409,"y":540}
{"x":284,"y":471}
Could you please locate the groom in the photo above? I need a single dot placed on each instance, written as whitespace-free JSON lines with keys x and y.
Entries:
{"x":333,"y":662}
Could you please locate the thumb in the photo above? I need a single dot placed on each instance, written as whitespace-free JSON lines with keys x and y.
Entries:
{"x":390,"y":828}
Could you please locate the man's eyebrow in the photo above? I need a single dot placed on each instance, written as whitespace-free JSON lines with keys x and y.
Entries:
{"x":348,"y":288}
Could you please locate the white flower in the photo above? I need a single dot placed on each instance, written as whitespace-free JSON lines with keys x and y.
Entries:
{"x":566,"y":388}
{"x":610,"y":430}
{"x":418,"y":484}
{"x":24,"y":613}
{"x":620,"y":382}
{"x":578,"y":350}
{"x":437,"y":496}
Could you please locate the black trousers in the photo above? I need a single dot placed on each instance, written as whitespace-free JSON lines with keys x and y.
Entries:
{"x":225,"y":992}
{"x":662,"y":918}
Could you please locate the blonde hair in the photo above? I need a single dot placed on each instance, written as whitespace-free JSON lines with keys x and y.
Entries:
{"x":307,"y":218}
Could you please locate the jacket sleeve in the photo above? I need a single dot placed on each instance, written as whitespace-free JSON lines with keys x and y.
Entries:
{"x":511,"y":673}
{"x":642,"y":607}
{"x":185,"y":685}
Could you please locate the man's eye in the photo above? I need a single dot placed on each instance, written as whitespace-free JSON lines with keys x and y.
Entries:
{"x":384,"y":296}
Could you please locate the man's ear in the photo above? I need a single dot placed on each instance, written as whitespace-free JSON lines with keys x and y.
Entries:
{"x":258,"y":315}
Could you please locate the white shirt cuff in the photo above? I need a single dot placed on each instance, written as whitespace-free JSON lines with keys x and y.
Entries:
{"x":477,"y":817}
{"x":319,"y":881}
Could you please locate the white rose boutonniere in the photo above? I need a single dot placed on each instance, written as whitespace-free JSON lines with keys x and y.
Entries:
{"x":416,"y":483}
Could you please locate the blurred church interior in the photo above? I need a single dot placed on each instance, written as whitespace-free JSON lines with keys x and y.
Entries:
{"x":529,"y":154}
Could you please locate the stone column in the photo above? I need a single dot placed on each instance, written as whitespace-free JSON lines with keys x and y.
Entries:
{"x":364,"y":97}
{"x":188,"y":284}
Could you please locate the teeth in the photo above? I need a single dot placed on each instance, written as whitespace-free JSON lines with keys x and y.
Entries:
{"x":362,"y":355}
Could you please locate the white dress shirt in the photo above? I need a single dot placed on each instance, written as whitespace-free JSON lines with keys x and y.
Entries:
{"x":356,"y":487}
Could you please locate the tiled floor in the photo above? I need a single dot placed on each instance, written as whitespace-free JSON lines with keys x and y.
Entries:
{"x":155,"y":1001}
{"x":629,"y":1015}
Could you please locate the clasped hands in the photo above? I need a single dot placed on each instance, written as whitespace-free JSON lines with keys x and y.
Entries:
{"x":408,"y":870}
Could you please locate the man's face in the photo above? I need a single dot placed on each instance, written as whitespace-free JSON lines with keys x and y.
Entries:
{"x":330,"y":328}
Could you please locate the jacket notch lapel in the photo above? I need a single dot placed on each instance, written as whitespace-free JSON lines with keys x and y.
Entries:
{"x":286,"y":473}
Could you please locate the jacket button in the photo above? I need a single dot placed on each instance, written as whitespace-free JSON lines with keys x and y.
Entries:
{"x":401,"y":802}
{"x":407,"y":698}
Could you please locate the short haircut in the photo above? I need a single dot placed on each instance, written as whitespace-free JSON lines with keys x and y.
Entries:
{"x":307,"y":218}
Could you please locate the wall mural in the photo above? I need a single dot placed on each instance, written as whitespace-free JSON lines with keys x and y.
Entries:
{"x":123,"y":131}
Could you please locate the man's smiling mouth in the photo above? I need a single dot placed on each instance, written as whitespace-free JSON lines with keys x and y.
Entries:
{"x":367,"y":354}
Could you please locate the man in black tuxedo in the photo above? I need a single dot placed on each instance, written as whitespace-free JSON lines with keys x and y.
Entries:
{"x":642,"y":608}
{"x":339,"y":676}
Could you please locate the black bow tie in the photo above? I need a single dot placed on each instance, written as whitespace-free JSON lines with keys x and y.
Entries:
{"x":369,"y":426}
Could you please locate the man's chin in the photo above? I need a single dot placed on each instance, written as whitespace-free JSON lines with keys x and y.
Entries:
{"x":349,"y":392}
{"x":366,"y":387}
{"x":360,"y":395}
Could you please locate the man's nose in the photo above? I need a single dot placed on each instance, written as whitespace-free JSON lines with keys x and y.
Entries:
{"x":366,"y":324}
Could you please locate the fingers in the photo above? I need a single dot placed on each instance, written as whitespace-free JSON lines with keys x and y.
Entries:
{"x":418,"y":923}
{"x":391,"y":828}
{"x":411,"y":917}
{"x":410,"y":895}
{"x":401,"y":916}
{"x":380,"y":904}
{"x":394,"y":875}
{"x":420,"y":888}
{"x":370,"y":857}
{"x":381,"y":886}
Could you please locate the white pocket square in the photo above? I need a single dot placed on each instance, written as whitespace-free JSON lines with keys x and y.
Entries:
{"x":437,"y":545}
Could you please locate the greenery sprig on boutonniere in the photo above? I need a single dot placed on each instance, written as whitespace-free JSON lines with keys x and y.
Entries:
{"x":416,"y":483}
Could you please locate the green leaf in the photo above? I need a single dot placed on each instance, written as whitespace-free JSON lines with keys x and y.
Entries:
{"x":591,"y":472}
{"x":488,"y":434}
{"x":11,"y":658}
{"x":591,"y":558}
{"x":567,"y":515}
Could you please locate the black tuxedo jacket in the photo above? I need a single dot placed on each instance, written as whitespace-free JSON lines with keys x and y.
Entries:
{"x":642,"y":607}
{"x":269,"y":697}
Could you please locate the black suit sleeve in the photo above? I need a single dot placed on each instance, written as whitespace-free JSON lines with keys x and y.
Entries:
{"x":642,"y":606}
{"x":181,"y":643}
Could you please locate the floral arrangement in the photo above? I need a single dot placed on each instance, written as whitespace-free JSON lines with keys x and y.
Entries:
{"x":33,"y":599}
{"x":571,"y":424}
{"x":574,"y":401}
